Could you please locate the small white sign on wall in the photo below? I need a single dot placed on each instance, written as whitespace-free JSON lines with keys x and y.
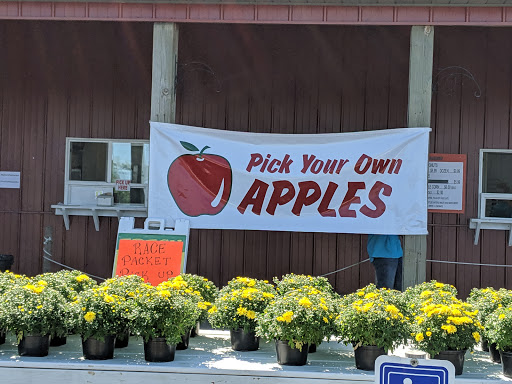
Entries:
{"x":123,"y":185}
{"x":9,"y":179}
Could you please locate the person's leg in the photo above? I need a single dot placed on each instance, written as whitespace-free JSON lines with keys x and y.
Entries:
{"x":385,"y":271}
{"x":398,"y":275}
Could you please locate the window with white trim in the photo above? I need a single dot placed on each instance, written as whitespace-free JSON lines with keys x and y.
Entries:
{"x":94,"y":167}
{"x":495,"y":184}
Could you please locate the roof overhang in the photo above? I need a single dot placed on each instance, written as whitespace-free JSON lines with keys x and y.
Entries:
{"x":321,"y":3}
{"x":325,"y":12}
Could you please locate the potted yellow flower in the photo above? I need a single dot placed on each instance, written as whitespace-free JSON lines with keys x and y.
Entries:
{"x":7,"y":281}
{"x":161,"y":316}
{"x":33,"y":312}
{"x":68,"y":284}
{"x":208,"y":291}
{"x":486,"y":301}
{"x":180,"y":286}
{"x":236,"y":308}
{"x":498,"y":329}
{"x":446,"y":328}
{"x":292,"y":281}
{"x":124,"y":287}
{"x":372,"y":322}
{"x":98,"y":317}
{"x":300,"y":317}
{"x":413,"y":297}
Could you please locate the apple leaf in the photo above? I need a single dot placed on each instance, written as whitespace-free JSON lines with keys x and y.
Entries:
{"x":189,"y":147}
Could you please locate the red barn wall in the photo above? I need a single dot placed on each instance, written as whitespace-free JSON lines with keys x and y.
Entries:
{"x":60,"y":79}
{"x":93,"y":79}
{"x":293,"y":79}
{"x":471,"y":110}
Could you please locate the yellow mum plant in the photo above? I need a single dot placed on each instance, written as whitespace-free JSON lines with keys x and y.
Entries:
{"x":499,"y":328}
{"x":98,"y":313}
{"x":292,"y":281}
{"x":372,"y":318}
{"x":444,"y":323}
{"x":299,"y":317}
{"x":204,"y":287}
{"x":163,"y":312}
{"x":239,"y":303}
{"x":34,"y":308}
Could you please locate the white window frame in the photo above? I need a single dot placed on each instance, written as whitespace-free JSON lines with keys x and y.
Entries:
{"x":109,"y":184}
{"x":118,"y":210}
{"x":483,"y":221}
{"x":483,"y":197}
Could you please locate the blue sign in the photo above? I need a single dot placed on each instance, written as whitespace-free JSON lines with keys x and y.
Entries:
{"x":396,"y":370}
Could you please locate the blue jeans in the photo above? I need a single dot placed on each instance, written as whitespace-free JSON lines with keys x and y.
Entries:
{"x":388,"y":272}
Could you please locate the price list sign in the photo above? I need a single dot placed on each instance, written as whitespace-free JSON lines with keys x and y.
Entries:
{"x":446,"y":183}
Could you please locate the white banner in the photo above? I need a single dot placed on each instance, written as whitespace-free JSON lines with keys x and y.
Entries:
{"x":356,"y":182}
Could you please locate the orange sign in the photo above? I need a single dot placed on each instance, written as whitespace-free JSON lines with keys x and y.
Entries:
{"x":446,"y":183}
{"x":155,"y":260}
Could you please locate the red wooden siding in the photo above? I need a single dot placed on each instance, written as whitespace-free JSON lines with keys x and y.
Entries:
{"x":93,"y":80}
{"x":61,"y":79}
{"x":464,"y":123}
{"x":289,"y":80}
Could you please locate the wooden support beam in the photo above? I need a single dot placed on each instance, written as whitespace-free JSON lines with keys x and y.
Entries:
{"x":419,"y":111}
{"x":165,"y":61}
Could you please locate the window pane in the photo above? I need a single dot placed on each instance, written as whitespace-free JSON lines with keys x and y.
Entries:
{"x":498,"y":208}
{"x":130,"y":162}
{"x":497,"y":172}
{"x":88,"y":161}
{"x":133,"y":196}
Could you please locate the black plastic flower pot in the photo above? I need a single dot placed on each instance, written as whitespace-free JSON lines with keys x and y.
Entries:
{"x":312,"y":348}
{"x":455,"y":357}
{"x":57,"y":341}
{"x":287,"y":355}
{"x":365,"y":356}
{"x":494,"y":354}
{"x":122,"y":339}
{"x":2,"y":337}
{"x":195,"y":330}
{"x":95,"y":349}
{"x":485,"y":345}
{"x":244,"y":341}
{"x":158,"y":351}
{"x":185,"y":340}
{"x":506,"y":363}
{"x":34,"y":345}
{"x":6,"y":262}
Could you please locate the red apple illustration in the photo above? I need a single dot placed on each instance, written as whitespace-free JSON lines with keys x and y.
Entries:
{"x":199,"y":183}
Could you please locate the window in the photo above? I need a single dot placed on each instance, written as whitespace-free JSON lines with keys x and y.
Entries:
{"x":96,"y":166}
{"x":495,"y":184}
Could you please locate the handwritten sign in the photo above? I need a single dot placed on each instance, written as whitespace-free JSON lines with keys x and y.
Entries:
{"x":446,"y":183}
{"x":155,"y":258}
{"x":122,"y":185}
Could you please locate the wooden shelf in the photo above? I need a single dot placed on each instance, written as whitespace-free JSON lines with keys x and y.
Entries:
{"x":504,"y":224}
{"x":96,"y":211}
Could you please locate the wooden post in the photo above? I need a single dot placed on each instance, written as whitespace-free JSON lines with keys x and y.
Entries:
{"x":165,"y":61}
{"x":419,"y":111}
{"x":47,"y":249}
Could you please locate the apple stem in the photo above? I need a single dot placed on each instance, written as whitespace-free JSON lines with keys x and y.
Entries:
{"x":202,"y":150}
